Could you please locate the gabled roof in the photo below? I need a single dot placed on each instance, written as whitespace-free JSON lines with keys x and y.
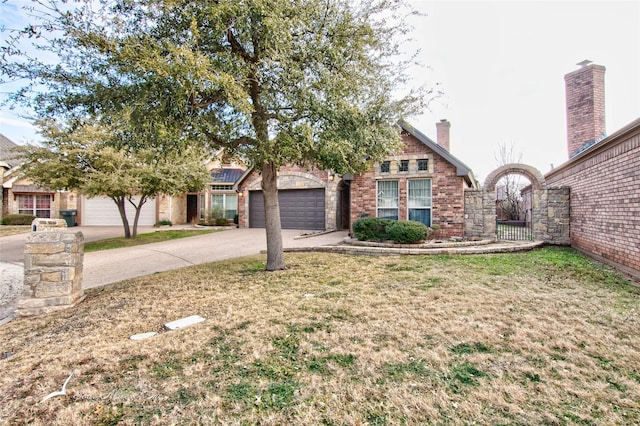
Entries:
{"x":226,"y":175}
{"x":462,"y":169}
{"x":7,"y":156}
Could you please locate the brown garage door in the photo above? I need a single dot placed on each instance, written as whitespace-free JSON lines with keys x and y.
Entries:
{"x":299,"y":209}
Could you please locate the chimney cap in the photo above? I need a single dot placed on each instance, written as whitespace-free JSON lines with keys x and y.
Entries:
{"x":584,"y":63}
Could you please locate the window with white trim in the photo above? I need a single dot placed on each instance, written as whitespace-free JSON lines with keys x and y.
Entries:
{"x":419,"y":202}
{"x":38,"y":205}
{"x":226,"y":203}
{"x":387,"y":199}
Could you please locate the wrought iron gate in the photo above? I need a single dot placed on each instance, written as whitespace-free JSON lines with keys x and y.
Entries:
{"x":517,"y":230}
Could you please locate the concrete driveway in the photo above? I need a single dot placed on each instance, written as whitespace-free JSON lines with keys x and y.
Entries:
{"x":109,"y":266}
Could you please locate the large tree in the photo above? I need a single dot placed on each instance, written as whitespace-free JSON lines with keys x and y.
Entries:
{"x":91,"y":159}
{"x":307,"y":82}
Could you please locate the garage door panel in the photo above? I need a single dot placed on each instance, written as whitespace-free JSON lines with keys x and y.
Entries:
{"x":102,"y":211}
{"x":299,"y":209}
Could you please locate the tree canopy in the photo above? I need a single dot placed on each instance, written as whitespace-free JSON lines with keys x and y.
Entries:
{"x":87,"y":158}
{"x":306,"y":82}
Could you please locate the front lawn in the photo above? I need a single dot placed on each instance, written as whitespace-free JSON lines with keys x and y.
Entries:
{"x":147,"y":238}
{"x":543,"y":337}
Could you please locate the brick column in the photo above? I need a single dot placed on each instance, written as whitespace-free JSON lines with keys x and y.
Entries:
{"x":52,"y":272}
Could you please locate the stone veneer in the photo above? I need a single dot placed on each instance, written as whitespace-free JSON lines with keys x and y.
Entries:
{"x":52,"y":271}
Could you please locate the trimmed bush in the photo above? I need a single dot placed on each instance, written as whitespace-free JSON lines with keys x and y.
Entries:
{"x":18,"y":219}
{"x":407,"y":232}
{"x":371,"y":228}
{"x":165,"y":222}
{"x":221,"y":221}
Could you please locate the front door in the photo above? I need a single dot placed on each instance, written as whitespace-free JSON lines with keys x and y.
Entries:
{"x":192,"y":208}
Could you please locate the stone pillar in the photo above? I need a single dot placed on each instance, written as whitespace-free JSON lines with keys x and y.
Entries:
{"x":52,"y":272}
{"x":540,"y":211}
{"x":558,"y":216}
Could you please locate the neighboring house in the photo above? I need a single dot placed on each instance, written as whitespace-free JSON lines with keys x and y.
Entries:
{"x":603,"y":173}
{"x":422,"y":182}
{"x":219,"y":199}
{"x":20,"y":196}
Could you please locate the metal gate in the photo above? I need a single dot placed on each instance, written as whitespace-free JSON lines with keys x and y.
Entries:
{"x":517,"y":230}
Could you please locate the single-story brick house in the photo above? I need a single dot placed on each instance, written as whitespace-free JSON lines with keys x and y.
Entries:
{"x":422,"y":182}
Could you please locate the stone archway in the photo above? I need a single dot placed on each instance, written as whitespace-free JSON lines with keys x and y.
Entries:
{"x":550,"y":206}
{"x":531,"y":173}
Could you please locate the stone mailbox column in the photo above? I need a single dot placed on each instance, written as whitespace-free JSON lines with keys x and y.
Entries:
{"x":52,"y":272}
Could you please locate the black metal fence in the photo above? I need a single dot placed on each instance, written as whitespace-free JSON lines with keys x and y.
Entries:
{"x":514,"y":230}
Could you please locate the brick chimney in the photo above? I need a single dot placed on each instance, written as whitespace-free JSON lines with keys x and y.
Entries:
{"x":585,"y":106}
{"x":443,"y":133}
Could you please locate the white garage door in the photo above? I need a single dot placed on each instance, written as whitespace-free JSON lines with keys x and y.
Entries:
{"x":102,"y":211}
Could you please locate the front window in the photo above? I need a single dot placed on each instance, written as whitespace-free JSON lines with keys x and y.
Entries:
{"x":420,"y":200}
{"x":36,"y":205}
{"x":423,"y":165}
{"x":387,"y":199}
{"x":224,"y":205}
{"x":385,"y":167}
{"x":404,"y":166}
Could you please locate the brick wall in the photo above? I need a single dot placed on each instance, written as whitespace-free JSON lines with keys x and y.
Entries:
{"x":447,"y":188}
{"x":605,"y":198}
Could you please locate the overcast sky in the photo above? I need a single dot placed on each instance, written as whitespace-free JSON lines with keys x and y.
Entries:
{"x":502,"y":66}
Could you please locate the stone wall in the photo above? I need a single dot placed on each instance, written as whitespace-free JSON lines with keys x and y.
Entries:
{"x":550,"y":211}
{"x":52,"y":272}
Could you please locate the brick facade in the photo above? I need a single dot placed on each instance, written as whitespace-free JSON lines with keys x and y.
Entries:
{"x":605,"y":198}
{"x":447,"y":188}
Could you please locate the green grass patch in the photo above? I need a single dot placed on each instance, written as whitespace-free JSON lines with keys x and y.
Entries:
{"x":148,"y":238}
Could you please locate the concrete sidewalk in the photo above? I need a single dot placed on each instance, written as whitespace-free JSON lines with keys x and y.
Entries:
{"x":109,"y":266}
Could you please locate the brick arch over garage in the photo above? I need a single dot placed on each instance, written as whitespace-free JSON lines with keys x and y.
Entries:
{"x":531,"y":173}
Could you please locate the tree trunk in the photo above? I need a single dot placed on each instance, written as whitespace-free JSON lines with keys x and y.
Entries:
{"x":138,"y":208}
{"x":275,"y":252}
{"x":123,"y":215}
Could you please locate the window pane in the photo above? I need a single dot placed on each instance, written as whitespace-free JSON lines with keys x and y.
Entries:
{"x":421,"y":215}
{"x":404,"y":165}
{"x":388,"y":213}
{"x":385,"y":167}
{"x":423,"y":165}
{"x":43,"y":201}
{"x":25,"y":202}
{"x":230,"y":206}
{"x":388,"y":199}
{"x":420,"y":193}
{"x":388,"y":193}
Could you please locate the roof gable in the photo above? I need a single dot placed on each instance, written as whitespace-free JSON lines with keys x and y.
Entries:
{"x":462,"y":169}
{"x":7,"y":155}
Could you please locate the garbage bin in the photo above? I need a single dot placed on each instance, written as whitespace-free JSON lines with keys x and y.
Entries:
{"x":69,"y":216}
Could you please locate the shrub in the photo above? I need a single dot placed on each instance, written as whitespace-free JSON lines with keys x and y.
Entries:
{"x":407,"y":232}
{"x":164,"y":222}
{"x":371,"y":228}
{"x":18,"y":219}
{"x":221,"y":221}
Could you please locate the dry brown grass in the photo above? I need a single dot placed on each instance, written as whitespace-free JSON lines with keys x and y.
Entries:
{"x":7,"y":230}
{"x":545,"y":337}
